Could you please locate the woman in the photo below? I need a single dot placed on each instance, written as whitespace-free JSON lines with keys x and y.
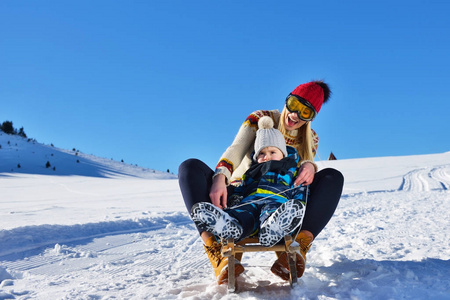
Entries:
{"x":198,"y":183}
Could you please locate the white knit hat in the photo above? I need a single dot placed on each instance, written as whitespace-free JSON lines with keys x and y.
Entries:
{"x":267,"y":136}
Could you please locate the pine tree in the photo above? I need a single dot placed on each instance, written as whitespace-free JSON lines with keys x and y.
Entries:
{"x":22,"y":133}
{"x":7,"y":127}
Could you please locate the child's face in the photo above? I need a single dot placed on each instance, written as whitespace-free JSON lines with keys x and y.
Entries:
{"x":269,"y":153}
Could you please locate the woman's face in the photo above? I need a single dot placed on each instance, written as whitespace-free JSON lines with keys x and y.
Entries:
{"x":292,"y":122}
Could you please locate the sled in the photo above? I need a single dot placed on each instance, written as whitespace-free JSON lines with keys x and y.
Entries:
{"x":233,"y":250}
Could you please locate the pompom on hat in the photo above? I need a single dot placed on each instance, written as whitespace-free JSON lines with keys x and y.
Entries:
{"x":315,"y":92}
{"x":267,"y":136}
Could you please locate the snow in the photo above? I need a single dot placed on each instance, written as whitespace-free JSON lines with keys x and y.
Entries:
{"x":102,"y":229}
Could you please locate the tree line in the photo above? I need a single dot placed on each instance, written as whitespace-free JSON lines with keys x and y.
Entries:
{"x":7,"y":127}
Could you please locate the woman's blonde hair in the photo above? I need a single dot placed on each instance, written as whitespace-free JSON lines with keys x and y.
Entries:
{"x":304,"y":143}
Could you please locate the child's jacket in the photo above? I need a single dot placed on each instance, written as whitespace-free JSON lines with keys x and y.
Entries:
{"x":264,"y":188}
{"x":272,"y":180}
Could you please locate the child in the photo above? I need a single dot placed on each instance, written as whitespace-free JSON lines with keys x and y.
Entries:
{"x":268,"y":200}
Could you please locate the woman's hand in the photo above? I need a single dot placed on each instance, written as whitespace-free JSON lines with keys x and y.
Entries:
{"x":218,"y":193}
{"x":305,"y":174}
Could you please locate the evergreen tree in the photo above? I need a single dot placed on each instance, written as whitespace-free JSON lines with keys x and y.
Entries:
{"x":7,"y":127}
{"x":22,"y":133}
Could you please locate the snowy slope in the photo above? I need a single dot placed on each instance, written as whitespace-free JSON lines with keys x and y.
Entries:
{"x":27,"y":156}
{"x":120,"y":233}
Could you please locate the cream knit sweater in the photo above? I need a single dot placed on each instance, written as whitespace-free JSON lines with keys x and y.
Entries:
{"x":237,"y":157}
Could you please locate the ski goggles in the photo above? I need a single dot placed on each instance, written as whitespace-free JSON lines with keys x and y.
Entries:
{"x":304,"y":110}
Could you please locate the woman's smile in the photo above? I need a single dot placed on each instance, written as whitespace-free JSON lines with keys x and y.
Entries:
{"x":293,"y":122}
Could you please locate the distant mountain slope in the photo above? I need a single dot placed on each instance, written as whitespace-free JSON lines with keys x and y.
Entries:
{"x":22,"y":155}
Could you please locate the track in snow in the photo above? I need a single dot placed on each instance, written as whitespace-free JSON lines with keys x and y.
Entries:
{"x":427,"y":179}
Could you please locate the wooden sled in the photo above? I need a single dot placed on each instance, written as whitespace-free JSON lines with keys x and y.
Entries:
{"x":233,"y":250}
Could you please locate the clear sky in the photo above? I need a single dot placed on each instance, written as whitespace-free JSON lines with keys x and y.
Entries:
{"x":157,"y":82}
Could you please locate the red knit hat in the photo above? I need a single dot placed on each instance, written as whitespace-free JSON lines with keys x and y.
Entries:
{"x":315,"y":92}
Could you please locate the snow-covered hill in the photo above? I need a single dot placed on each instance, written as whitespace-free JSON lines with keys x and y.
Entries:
{"x":115,"y":233}
{"x":26,"y":156}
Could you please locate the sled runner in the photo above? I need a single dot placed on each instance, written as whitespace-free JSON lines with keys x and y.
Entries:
{"x":233,"y":250}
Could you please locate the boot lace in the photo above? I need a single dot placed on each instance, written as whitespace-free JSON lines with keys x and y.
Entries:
{"x":214,"y":251}
{"x":305,"y":244}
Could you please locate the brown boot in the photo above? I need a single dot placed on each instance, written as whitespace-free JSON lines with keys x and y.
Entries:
{"x":281,"y":266}
{"x":220,"y":263}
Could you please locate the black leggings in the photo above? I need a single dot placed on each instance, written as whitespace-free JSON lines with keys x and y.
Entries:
{"x":195,"y":179}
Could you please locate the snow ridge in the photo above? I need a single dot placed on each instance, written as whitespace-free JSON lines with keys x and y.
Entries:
{"x":26,"y":156}
{"x":27,"y":238}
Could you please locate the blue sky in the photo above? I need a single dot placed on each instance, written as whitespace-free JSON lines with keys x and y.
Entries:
{"x":157,"y":82}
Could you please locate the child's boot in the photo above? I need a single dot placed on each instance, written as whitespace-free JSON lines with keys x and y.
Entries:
{"x":218,"y":262}
{"x":207,"y":217}
{"x":283,"y":221}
